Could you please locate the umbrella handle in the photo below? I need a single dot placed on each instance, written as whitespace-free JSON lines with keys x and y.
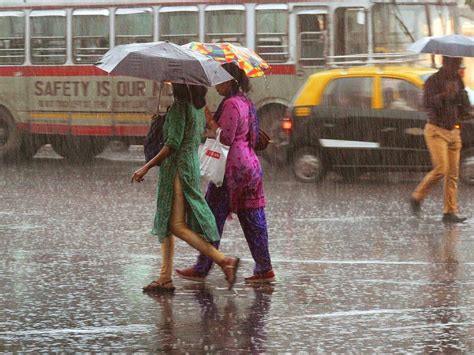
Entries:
{"x":159,"y":99}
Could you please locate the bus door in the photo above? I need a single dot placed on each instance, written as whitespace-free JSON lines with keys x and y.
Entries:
{"x":312,"y":37}
{"x":350,"y":33}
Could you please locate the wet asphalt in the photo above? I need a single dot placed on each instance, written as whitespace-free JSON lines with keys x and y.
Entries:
{"x":355,"y":271}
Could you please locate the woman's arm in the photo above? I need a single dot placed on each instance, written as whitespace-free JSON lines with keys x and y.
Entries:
{"x":228,"y":122}
{"x":164,"y":153}
{"x":176,"y":122}
{"x":211,"y":124}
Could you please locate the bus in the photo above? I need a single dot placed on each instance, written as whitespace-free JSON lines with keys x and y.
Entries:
{"x":51,"y":92}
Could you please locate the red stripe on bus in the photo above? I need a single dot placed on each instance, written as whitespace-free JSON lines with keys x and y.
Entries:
{"x":23,"y":126}
{"x":106,"y":131}
{"x":65,"y":129}
{"x":282,"y":69}
{"x":48,"y":128}
{"x":129,"y":131}
{"x":72,"y":70}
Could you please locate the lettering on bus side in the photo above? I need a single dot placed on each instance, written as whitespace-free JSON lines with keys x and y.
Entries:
{"x":103,"y":95}
{"x":61,"y":88}
{"x":131,"y":88}
{"x":83,"y":88}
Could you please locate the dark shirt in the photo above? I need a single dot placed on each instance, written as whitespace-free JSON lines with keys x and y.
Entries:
{"x":443,"y":111}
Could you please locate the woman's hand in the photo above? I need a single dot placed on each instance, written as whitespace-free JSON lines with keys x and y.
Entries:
{"x":139,"y":174}
{"x":208,"y":114}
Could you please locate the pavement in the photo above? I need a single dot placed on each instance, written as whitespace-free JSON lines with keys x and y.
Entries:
{"x":355,"y":271}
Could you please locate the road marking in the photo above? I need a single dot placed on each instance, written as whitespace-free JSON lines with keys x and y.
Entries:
{"x":132,"y":328}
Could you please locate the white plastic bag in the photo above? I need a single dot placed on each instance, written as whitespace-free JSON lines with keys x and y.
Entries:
{"x":212,"y":158}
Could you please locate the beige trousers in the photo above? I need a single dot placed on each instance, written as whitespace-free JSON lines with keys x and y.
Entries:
{"x":445,"y":149}
{"x":179,"y":228}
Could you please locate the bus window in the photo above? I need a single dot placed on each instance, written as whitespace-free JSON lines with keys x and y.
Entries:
{"x":12,"y":37}
{"x":271,"y":36}
{"x":442,"y":19}
{"x":225,"y":23}
{"x":396,"y":26}
{"x":90,"y":35}
{"x":312,"y":35}
{"x":179,"y":25}
{"x":351,"y":32}
{"x":133,"y":25}
{"x":48,"y":37}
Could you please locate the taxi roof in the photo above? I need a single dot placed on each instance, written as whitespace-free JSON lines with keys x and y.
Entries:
{"x":311,"y":91}
{"x":375,"y":70}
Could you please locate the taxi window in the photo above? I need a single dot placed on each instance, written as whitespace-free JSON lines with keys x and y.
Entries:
{"x":399,"y":94}
{"x":349,"y":93}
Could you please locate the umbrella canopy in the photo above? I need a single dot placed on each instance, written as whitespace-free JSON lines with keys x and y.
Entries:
{"x":245,"y":58}
{"x":450,"y":46}
{"x":163,"y":61}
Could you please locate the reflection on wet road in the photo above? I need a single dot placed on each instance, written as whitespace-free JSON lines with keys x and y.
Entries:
{"x":355,"y":272}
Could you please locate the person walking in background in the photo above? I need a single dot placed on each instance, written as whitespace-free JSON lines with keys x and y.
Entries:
{"x":445,"y":101}
{"x":242,"y":190}
{"x":179,"y":196}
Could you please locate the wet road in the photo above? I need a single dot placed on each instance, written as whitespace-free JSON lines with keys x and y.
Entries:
{"x":356,"y":273}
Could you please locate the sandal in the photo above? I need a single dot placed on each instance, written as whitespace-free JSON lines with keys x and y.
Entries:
{"x":230,"y":271}
{"x":156,"y":286}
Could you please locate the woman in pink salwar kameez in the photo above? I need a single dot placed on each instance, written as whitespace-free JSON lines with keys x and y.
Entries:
{"x":242,"y":190}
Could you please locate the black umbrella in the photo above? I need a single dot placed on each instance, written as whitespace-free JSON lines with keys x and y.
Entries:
{"x":163,"y":61}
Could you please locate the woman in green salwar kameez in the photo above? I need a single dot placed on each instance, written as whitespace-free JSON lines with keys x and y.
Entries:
{"x":181,"y":209}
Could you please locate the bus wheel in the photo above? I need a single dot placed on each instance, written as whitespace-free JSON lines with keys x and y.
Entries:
{"x":29,"y":146}
{"x":79,"y":148}
{"x":308,"y":165}
{"x":270,"y":121}
{"x":10,"y":136}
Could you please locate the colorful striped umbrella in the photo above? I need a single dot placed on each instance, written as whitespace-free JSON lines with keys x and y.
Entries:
{"x":247,"y":60}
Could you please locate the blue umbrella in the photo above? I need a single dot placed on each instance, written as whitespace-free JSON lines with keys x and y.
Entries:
{"x":450,"y":46}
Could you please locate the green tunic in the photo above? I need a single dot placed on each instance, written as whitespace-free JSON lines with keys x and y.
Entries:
{"x":183,"y":129}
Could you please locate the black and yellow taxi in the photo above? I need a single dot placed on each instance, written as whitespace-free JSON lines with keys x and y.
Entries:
{"x":356,"y":120}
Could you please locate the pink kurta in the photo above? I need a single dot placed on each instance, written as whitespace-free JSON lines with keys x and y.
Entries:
{"x":243,"y":175}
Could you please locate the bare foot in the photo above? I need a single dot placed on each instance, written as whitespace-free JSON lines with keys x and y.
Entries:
{"x":230,"y":267}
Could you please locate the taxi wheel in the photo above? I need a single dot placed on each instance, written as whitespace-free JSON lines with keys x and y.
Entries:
{"x":80,"y":149}
{"x":308,"y":165}
{"x":466,"y":171}
{"x":349,"y":175}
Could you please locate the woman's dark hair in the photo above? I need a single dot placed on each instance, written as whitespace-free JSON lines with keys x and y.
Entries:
{"x":194,"y":94}
{"x":241,"y":81}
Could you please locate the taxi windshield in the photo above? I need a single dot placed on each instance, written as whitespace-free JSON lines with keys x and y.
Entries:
{"x":425,"y":77}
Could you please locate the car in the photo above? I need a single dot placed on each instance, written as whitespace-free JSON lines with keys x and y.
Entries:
{"x":356,"y":120}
